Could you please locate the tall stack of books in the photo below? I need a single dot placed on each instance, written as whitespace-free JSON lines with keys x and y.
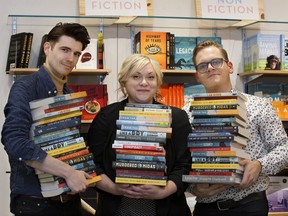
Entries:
{"x":56,"y":130}
{"x":139,"y":144}
{"x":218,"y":139}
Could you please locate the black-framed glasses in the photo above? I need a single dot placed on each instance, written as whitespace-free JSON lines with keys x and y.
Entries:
{"x":215,"y":63}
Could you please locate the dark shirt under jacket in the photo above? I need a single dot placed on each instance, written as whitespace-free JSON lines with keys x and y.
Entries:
{"x":100,"y":138}
{"x":15,"y":133}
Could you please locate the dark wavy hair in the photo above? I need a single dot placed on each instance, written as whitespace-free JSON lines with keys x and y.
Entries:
{"x":74,"y":30}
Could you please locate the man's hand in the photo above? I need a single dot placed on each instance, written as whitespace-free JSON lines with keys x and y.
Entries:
{"x":252,"y":170}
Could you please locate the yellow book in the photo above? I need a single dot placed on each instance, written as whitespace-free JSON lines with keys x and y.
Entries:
{"x":217,"y":102}
{"x":66,"y":149}
{"x":144,"y":113}
{"x":94,"y":179}
{"x":140,"y":181}
{"x":57,"y":118}
{"x":235,"y":166}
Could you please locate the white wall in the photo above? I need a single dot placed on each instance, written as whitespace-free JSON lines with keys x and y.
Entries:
{"x":115,"y":49}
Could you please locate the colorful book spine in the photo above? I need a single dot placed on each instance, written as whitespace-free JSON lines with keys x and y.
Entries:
{"x":140,"y":157}
{"x":139,"y":165}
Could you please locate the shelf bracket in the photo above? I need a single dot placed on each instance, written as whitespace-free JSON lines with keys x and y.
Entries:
{"x":132,"y":34}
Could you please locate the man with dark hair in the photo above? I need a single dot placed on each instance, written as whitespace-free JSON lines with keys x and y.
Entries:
{"x":267,"y":145}
{"x":62,"y":49}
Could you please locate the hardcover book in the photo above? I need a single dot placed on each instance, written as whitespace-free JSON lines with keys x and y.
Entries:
{"x":153,"y":44}
{"x":17,"y":50}
{"x":184,"y":47}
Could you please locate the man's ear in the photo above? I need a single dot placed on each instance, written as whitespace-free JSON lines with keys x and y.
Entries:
{"x":230,"y":66}
{"x":46,"y":47}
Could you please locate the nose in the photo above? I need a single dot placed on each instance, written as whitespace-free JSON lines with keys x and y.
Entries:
{"x":143,"y":81}
{"x":209,"y":66}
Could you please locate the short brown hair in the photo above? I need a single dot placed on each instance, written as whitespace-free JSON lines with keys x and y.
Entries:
{"x":74,"y":30}
{"x":205,"y":44}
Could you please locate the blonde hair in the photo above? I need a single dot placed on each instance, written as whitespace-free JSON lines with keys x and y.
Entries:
{"x":133,"y":64}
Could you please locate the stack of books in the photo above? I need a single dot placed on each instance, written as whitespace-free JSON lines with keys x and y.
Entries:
{"x":218,"y":139}
{"x":139,"y":144}
{"x":55,"y":129}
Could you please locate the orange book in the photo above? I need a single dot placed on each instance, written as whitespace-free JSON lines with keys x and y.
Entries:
{"x":163,"y":91}
{"x":153,"y":44}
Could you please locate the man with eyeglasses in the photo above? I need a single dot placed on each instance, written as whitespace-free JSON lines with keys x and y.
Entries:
{"x":268,"y":144}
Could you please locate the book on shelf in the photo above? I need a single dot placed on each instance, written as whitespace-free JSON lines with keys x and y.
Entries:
{"x":184,"y":47}
{"x":277,"y":194}
{"x":153,"y":44}
{"x":212,"y":179}
{"x":16,"y":51}
{"x":264,"y":52}
{"x":28,"y":50}
{"x":88,"y":57}
{"x":42,"y":56}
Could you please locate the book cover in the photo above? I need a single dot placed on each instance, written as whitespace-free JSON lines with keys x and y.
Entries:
{"x":16,"y":51}
{"x":277,"y":194}
{"x":153,"y":44}
{"x":184,"y":47}
{"x":218,"y":40}
{"x":88,"y":57}
{"x":263,"y":52}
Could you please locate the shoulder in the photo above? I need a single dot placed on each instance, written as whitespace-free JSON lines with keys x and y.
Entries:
{"x":253,"y":100}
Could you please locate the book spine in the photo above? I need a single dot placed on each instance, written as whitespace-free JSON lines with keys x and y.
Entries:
{"x":140,"y":152}
{"x":140,"y":157}
{"x":210,"y":179}
{"x":208,"y":144}
{"x":216,"y":166}
{"x":28,"y":50}
{"x":60,"y":140}
{"x":63,"y":144}
{"x":138,"y":147}
{"x":66,"y":149}
{"x":141,"y":138}
{"x":215,"y":159}
{"x":154,"y":106}
{"x":140,"y":172}
{"x":54,"y":136}
{"x":144,"y":113}
{"x":211,"y":138}
{"x":125,"y":142}
{"x":64,"y":107}
{"x":141,"y":176}
{"x":73,"y":154}
{"x":80,"y":159}
{"x":213,"y":129}
{"x":143,"y":123}
{"x":144,"y":118}
{"x":214,"y":107}
{"x":146,"y":128}
{"x":192,"y":149}
{"x":139,"y":165}
{"x":82,"y":165}
{"x":56,"y":126}
{"x":36,"y":117}
{"x":140,"y":181}
{"x":213,"y":102}
{"x":141,"y":133}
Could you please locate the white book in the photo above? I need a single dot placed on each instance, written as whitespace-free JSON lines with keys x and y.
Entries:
{"x":88,"y":57}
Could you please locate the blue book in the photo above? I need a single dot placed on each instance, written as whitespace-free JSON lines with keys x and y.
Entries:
{"x":184,"y":47}
{"x":218,"y":40}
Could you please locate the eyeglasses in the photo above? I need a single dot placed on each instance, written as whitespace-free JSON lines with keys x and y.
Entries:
{"x":215,"y":63}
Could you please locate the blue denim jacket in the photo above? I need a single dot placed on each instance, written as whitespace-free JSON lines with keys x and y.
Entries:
{"x":16,"y":129}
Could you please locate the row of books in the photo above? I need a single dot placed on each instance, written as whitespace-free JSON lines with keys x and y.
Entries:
{"x":172,"y":52}
{"x":218,"y":139}
{"x":19,"y":50}
{"x":172,"y":95}
{"x":265,"y":52}
{"x":139,"y":144}
{"x":56,"y":130}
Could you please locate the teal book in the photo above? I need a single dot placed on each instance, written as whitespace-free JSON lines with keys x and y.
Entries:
{"x":183,"y":52}
{"x":218,"y":40}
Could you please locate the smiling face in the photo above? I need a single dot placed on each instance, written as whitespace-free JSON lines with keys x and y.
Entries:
{"x":214,"y":80}
{"x":62,"y":56}
{"x":142,"y":86}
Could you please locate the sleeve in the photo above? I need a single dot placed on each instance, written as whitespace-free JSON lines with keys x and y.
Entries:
{"x":275,"y":138}
{"x":16,"y":129}
{"x":179,"y":152}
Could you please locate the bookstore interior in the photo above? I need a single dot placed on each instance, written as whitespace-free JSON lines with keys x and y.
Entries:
{"x":220,"y":134}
